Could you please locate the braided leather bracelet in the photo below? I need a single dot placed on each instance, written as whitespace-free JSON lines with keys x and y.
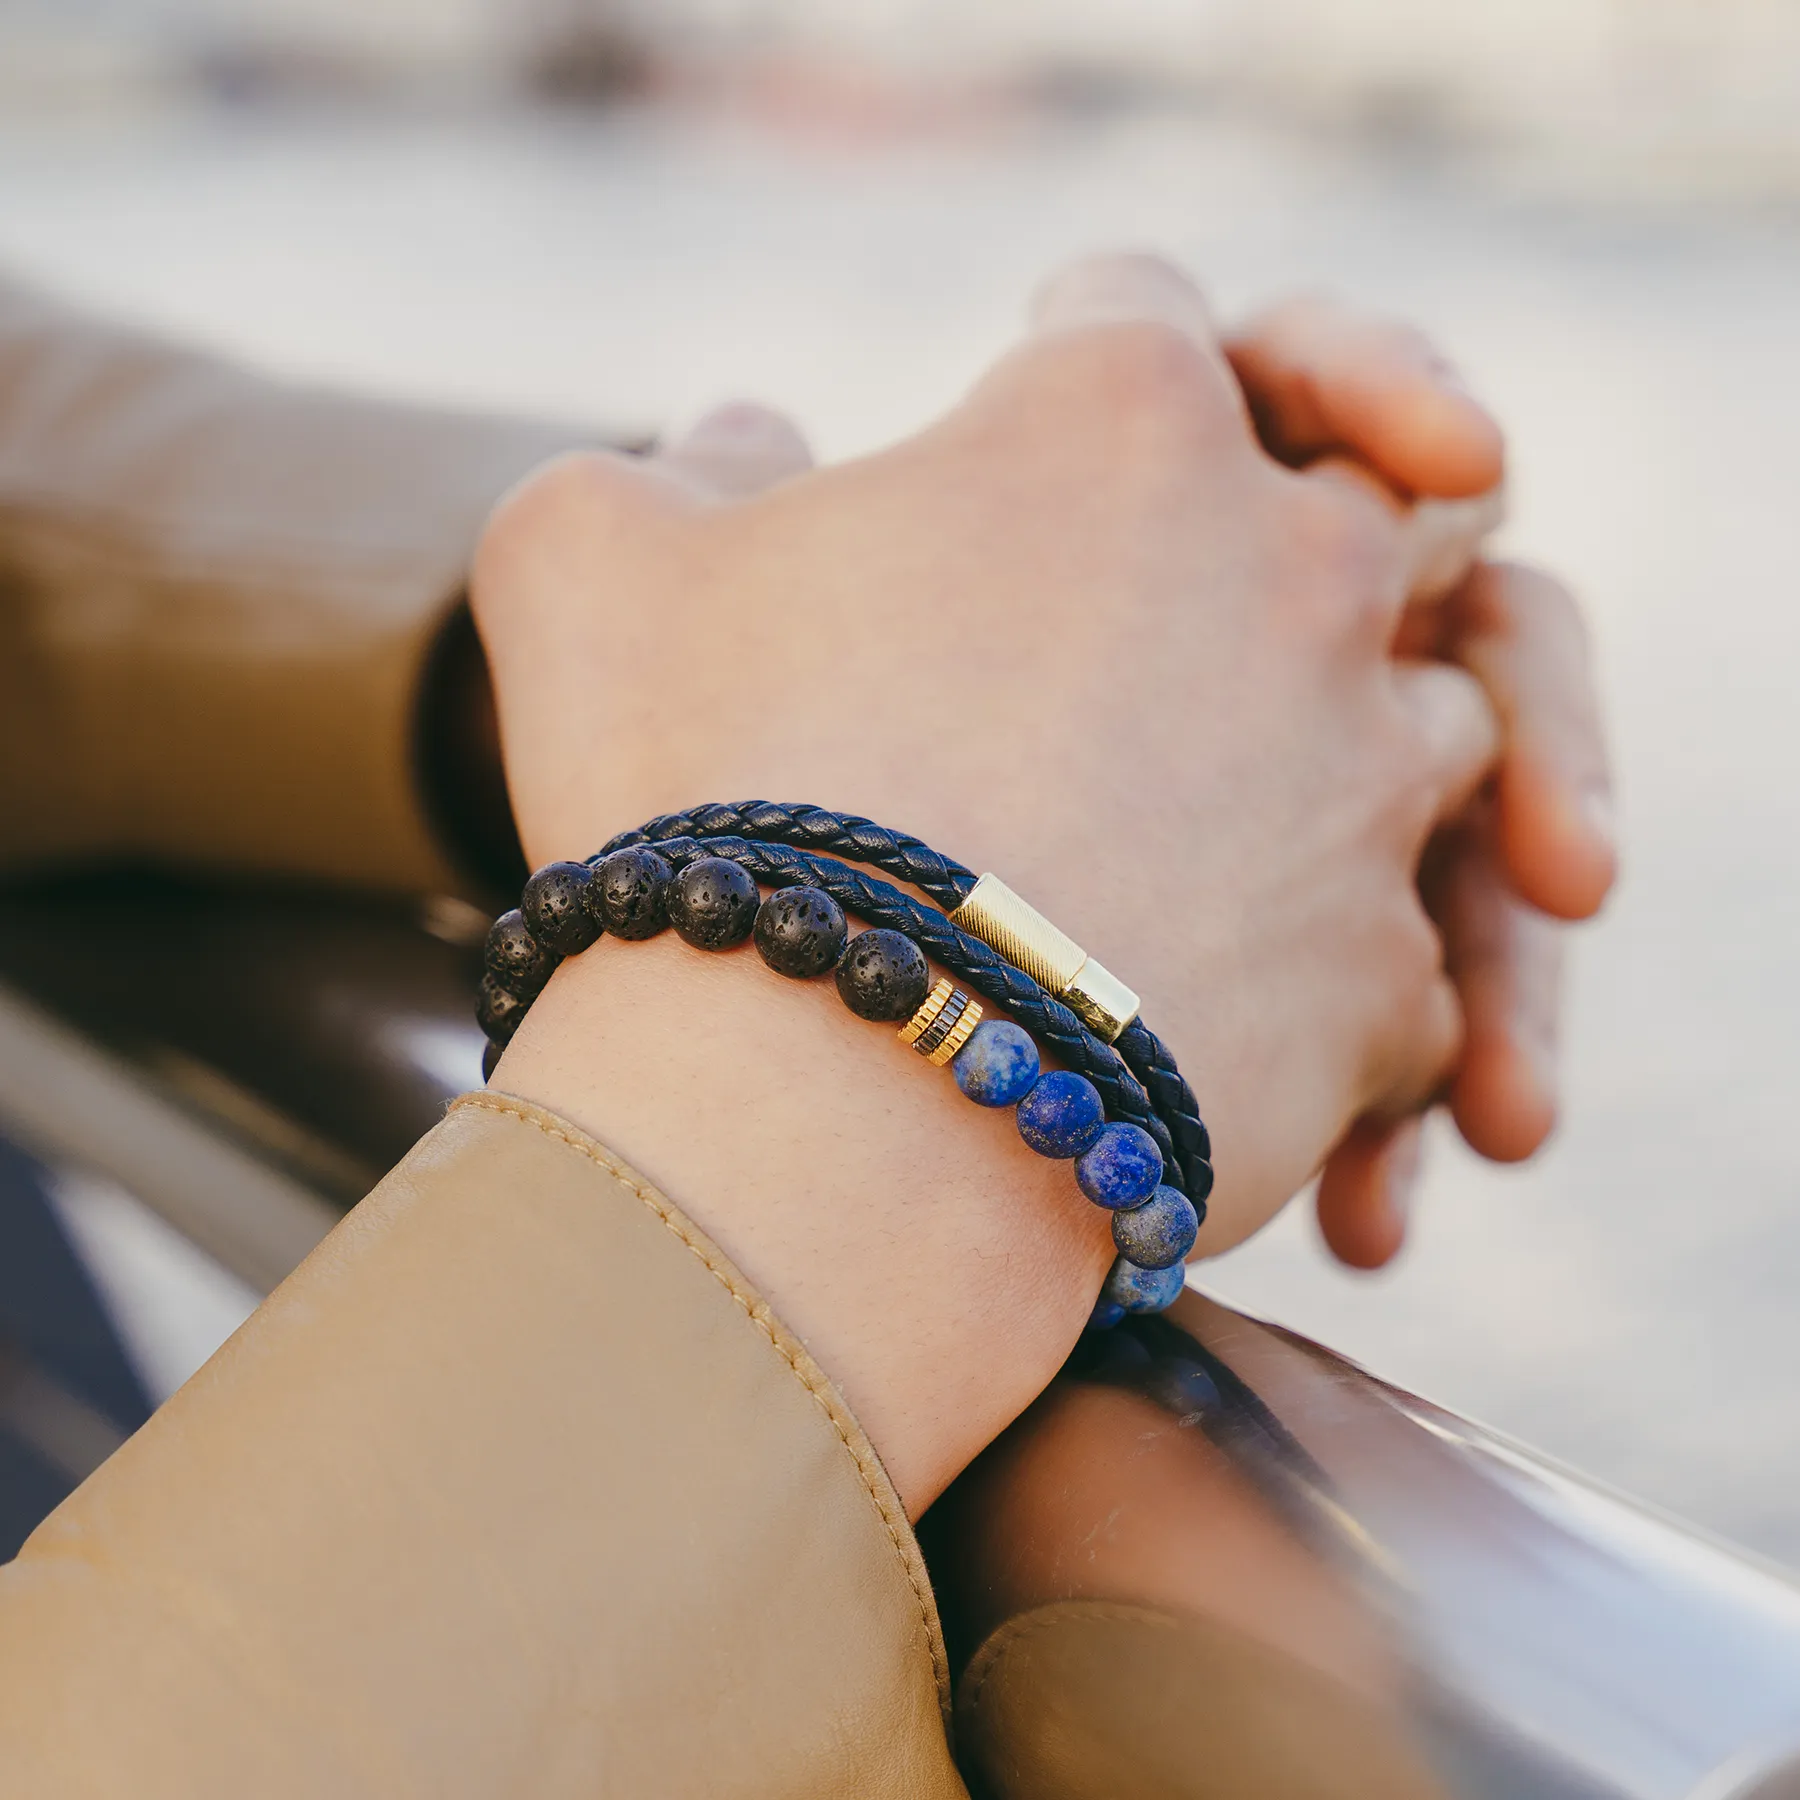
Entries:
{"x":699,"y":871}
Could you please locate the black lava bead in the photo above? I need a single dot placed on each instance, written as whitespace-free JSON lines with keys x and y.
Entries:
{"x":630,"y":893}
{"x":497,"y":1012}
{"x":712,"y":903}
{"x":800,"y":931}
{"x":515,"y":959}
{"x":883,"y":975}
{"x":490,"y":1060}
{"x":554,"y":909}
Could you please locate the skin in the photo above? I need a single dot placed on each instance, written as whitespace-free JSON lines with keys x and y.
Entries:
{"x":1086,"y":630}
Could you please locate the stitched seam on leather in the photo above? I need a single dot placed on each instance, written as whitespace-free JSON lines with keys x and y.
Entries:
{"x":757,"y":1311}
{"x":1016,"y":1631}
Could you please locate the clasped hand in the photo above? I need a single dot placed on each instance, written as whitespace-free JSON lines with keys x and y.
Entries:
{"x":1184,"y":636}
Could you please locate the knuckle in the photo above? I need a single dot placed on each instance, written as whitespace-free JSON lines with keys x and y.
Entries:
{"x":571,"y":498}
{"x":1539,"y":599}
{"x":1344,"y":566}
{"x":1517,"y":599}
{"x":1415,"y":950}
{"x":1424,"y":1022}
{"x":1296,"y":322}
{"x":1445,"y":739}
{"x":1146,"y":382}
{"x":1415,"y":798}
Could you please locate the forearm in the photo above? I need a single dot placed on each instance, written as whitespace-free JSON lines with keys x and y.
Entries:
{"x":515,"y":1486}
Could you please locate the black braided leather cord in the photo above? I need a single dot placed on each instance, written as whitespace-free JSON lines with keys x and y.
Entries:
{"x":857,"y":840}
{"x":908,"y":859}
{"x":985,"y":970}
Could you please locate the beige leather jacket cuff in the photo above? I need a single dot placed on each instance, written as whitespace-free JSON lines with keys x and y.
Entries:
{"x":217,"y":592}
{"x":514,"y":1487}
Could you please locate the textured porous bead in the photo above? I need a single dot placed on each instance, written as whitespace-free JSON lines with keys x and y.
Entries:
{"x":1160,"y":1233}
{"x":883,"y":975}
{"x":998,"y":1065}
{"x":629,"y":894}
{"x":800,"y":931}
{"x":515,"y":959}
{"x":490,"y":1058}
{"x":1106,"y":1314}
{"x":712,"y":903}
{"x":1122,"y":1169}
{"x":1142,"y":1290}
{"x":555,"y":910}
{"x":497,"y":1012}
{"x":1062,"y":1115}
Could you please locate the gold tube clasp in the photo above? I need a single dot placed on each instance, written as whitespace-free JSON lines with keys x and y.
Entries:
{"x":992,"y":912}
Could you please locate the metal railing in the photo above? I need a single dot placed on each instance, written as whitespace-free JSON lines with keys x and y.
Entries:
{"x":246,"y":1063}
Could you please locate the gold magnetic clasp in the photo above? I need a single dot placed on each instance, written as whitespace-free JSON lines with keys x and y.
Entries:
{"x":992,"y":912}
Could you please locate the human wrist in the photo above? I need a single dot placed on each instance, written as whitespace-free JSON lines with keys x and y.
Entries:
{"x":935,"y":1267}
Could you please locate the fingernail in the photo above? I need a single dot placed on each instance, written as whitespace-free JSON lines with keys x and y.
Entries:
{"x":1598,"y":816}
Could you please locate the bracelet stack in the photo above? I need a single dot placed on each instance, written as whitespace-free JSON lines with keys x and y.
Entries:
{"x":1121,"y":1113}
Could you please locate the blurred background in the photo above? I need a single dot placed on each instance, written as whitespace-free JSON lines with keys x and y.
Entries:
{"x":620,"y":212}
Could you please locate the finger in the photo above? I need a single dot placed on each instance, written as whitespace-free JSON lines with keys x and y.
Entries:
{"x":1435,"y":542}
{"x":1519,"y":633}
{"x":737,"y":450}
{"x":1127,"y":288}
{"x":1455,"y":738}
{"x":1321,"y":376}
{"x":1505,"y":959}
{"x":1366,"y":1190}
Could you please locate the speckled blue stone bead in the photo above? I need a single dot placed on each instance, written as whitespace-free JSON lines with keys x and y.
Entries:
{"x":1123,"y":1168}
{"x":998,"y":1065}
{"x":1106,"y":1314}
{"x":1142,"y":1290}
{"x":1160,"y":1233}
{"x":1062,"y":1115}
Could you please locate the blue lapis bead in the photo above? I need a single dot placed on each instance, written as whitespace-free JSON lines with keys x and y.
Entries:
{"x":998,"y":1065}
{"x":1160,"y":1233}
{"x":1106,"y":1314}
{"x":1062,"y":1115}
{"x":1123,"y":1168}
{"x":1142,"y":1290}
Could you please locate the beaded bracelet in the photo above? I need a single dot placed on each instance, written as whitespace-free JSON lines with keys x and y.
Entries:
{"x":713,"y":902}
{"x":955,"y":888}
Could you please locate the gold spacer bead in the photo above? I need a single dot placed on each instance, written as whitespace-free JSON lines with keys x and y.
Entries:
{"x":958,"y":1035}
{"x":929,"y":1008}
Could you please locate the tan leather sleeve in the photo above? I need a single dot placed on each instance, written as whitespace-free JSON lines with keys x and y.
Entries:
{"x":217,"y":592}
{"x":514,"y":1487}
